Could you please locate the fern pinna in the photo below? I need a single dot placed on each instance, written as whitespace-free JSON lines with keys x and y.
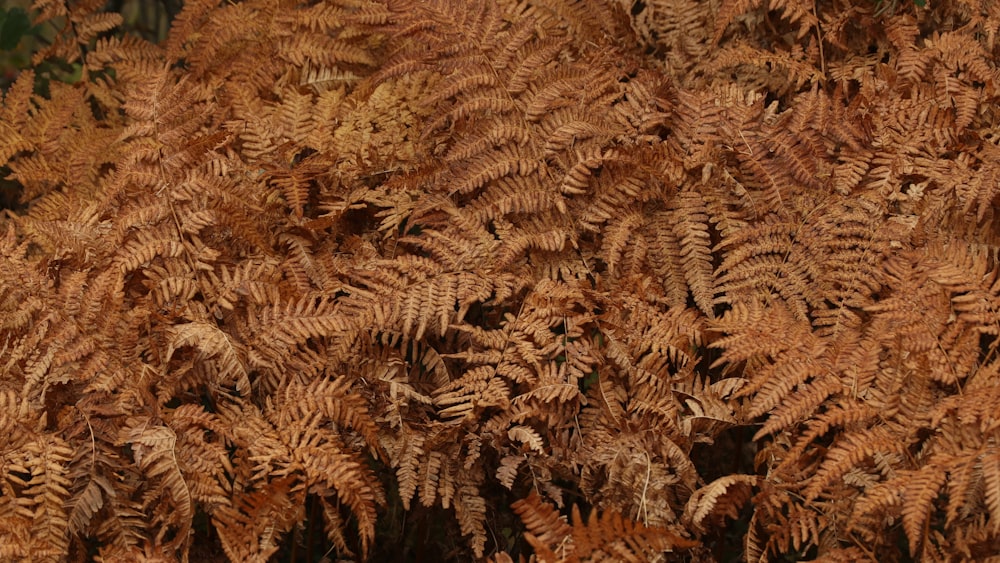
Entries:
{"x":559,"y":280}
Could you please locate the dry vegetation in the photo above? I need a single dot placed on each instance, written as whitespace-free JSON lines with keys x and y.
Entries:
{"x":571,"y":280}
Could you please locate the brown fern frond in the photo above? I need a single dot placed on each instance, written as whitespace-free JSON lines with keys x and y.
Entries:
{"x":850,"y":451}
{"x":918,"y":496}
{"x":250,"y":529}
{"x":212,"y":345}
{"x":154,"y":449}
{"x":768,"y":266}
{"x":608,"y":537}
{"x":333,"y":399}
{"x":44,"y":464}
{"x":278,"y":328}
{"x":759,"y":64}
{"x":548,"y":531}
{"x":680,"y":31}
{"x":16,"y":102}
{"x":719,"y":500}
{"x":580,"y":18}
{"x":692,"y":231}
{"x":788,"y":524}
{"x":202,"y":446}
{"x":727,"y":13}
{"x":470,"y":508}
{"x":312,"y":423}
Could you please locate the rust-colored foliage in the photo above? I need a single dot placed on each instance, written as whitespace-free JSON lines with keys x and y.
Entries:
{"x":340,"y":261}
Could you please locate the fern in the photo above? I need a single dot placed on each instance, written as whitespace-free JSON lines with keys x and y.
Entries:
{"x":323,"y":270}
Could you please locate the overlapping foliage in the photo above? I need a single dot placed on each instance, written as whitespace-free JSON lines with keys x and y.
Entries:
{"x":344,"y":263}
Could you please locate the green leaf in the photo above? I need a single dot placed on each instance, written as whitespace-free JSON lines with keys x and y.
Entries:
{"x":13,"y":25}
